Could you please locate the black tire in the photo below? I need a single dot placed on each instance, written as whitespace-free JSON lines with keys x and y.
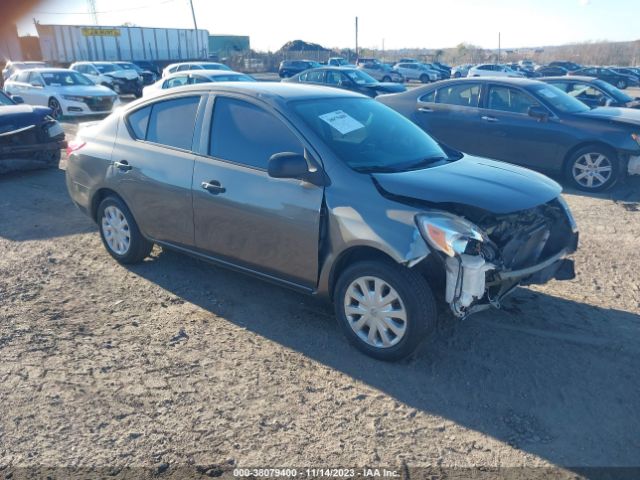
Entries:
{"x":386,"y":79}
{"x":416,"y":296}
{"x":621,"y":84}
{"x":457,"y":75}
{"x":572,"y":170}
{"x":424,"y":78}
{"x":55,"y":107}
{"x":139,"y":247}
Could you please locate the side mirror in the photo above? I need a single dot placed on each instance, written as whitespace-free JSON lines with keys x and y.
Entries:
{"x":36,"y":84}
{"x":538,"y":112}
{"x":294,"y":165}
{"x":17,"y":98}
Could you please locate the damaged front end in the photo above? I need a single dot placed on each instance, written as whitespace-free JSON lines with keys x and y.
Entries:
{"x":486,"y":256}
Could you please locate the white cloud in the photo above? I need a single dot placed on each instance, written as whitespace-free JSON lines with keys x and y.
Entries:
{"x":585,"y":3}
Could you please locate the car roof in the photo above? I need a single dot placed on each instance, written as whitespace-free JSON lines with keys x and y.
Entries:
{"x":47,"y":70}
{"x":269,"y":91}
{"x":202,"y":73}
{"x":518,"y":81}
{"x":571,"y":78}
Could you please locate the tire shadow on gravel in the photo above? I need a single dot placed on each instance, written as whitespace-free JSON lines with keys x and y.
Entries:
{"x":549,"y":376}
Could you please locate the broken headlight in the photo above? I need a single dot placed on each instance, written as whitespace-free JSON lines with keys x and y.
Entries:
{"x":450,"y":234}
{"x":565,"y":206}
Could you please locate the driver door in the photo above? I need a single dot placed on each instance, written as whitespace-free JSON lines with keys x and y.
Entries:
{"x":241,"y":214}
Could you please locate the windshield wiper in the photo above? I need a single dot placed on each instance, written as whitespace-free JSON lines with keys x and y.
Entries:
{"x":376,"y":169}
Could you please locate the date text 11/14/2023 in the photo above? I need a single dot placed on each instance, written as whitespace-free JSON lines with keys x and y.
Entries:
{"x":319,"y":472}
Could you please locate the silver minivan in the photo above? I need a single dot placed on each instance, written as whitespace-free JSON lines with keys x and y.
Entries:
{"x":324,"y":191}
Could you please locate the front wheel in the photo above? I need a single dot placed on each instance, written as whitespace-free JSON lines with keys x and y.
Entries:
{"x":385,"y":310}
{"x":592,"y":169}
{"x":120,"y":233}
{"x":386,"y":79}
{"x":621,"y":84}
{"x":424,"y":78}
{"x":55,"y":107}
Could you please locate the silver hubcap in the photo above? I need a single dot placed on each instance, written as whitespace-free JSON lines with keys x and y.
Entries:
{"x":375,"y":312}
{"x":116,"y":230}
{"x":592,"y":170}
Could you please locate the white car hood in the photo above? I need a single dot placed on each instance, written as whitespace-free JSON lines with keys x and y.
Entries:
{"x":85,"y":90}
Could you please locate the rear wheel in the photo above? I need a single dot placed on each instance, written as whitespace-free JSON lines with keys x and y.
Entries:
{"x":386,"y":78}
{"x":621,"y":84}
{"x":55,"y":107}
{"x":120,"y":233}
{"x":385,"y":310}
{"x":592,"y":168}
{"x":457,"y":75}
{"x":424,"y":78}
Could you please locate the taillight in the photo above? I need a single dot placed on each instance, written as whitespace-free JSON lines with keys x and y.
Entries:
{"x":74,"y":145}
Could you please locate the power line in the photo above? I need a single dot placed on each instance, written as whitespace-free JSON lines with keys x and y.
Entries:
{"x":152,"y":5}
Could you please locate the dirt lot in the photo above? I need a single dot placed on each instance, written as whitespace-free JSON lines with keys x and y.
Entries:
{"x":176,"y":363}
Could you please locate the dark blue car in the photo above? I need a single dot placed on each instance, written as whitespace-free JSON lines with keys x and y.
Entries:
{"x":593,"y":92}
{"x":347,"y":78}
{"x":528,"y":123}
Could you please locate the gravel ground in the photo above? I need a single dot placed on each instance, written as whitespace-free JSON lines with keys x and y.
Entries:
{"x":174,"y":363}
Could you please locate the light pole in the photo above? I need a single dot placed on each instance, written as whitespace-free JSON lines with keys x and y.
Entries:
{"x":195,"y":25}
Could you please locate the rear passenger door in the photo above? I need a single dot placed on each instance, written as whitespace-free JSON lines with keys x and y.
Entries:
{"x":241,"y":214}
{"x":153,"y":167}
{"x":451,"y":115}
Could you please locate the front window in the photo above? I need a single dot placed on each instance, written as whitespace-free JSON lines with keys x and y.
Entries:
{"x":359,"y":77}
{"x":616,"y":93}
{"x":65,"y":79}
{"x":107,"y":67}
{"x":559,"y":100}
{"x":510,"y":100}
{"x":369,"y":136}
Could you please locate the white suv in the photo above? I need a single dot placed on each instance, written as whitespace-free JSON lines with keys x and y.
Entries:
{"x":492,"y":70}
{"x":416,"y":71}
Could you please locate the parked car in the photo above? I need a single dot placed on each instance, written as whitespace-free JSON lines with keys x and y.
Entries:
{"x":149,"y":66}
{"x":593,"y":92}
{"x":338,"y":62}
{"x":324,"y":191}
{"x":147,"y":76}
{"x":492,"y":70}
{"x":460,"y":70}
{"x":416,"y":71}
{"x":550,"y":71}
{"x":381,"y":72}
{"x":443,"y":72}
{"x":367,"y":60}
{"x":630,"y":72}
{"x":108,"y":74}
{"x":524,"y":71}
{"x":12,"y":67}
{"x":570,"y":66}
{"x":527,"y":64}
{"x":29,"y":136}
{"x":185,"y":66}
{"x":347,"y":78}
{"x":608,"y":75}
{"x":289,"y":68}
{"x":65,"y":92}
{"x":180,"y":79}
{"x":443,"y":66}
{"x":530,"y":123}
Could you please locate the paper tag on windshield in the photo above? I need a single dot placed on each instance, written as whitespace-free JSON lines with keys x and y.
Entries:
{"x":341,"y":122}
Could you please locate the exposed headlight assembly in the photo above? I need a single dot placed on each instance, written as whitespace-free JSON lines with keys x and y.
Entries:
{"x":448,"y":233}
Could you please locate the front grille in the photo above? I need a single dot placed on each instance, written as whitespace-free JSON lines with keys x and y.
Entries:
{"x":100,"y":104}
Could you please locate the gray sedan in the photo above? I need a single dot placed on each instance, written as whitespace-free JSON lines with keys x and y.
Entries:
{"x":324,"y":191}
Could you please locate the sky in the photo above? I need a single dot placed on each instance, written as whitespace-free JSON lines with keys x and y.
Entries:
{"x":406,"y":24}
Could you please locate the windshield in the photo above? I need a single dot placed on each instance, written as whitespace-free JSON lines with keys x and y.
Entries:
{"x":559,"y":100}
{"x":232,"y":78}
{"x":65,"y":79}
{"x":616,"y":93}
{"x":107,"y":67}
{"x":130,"y":66}
{"x":5,"y":100}
{"x":360,"y":77}
{"x":369,"y":136}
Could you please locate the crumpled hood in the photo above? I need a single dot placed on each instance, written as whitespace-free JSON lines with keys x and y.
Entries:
{"x":478,"y":182}
{"x":13,"y":117}
{"x":126,"y":74}
{"x":627,"y":116}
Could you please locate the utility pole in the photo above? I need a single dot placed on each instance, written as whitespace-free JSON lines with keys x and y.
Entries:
{"x":356,"y":39}
{"x":92,"y":11}
{"x":195,"y":26}
{"x":498,"y":47}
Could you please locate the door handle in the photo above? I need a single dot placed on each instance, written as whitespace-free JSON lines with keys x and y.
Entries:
{"x":123,"y":166}
{"x":489,"y":119}
{"x":213,"y":187}
{"x":425,"y":109}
